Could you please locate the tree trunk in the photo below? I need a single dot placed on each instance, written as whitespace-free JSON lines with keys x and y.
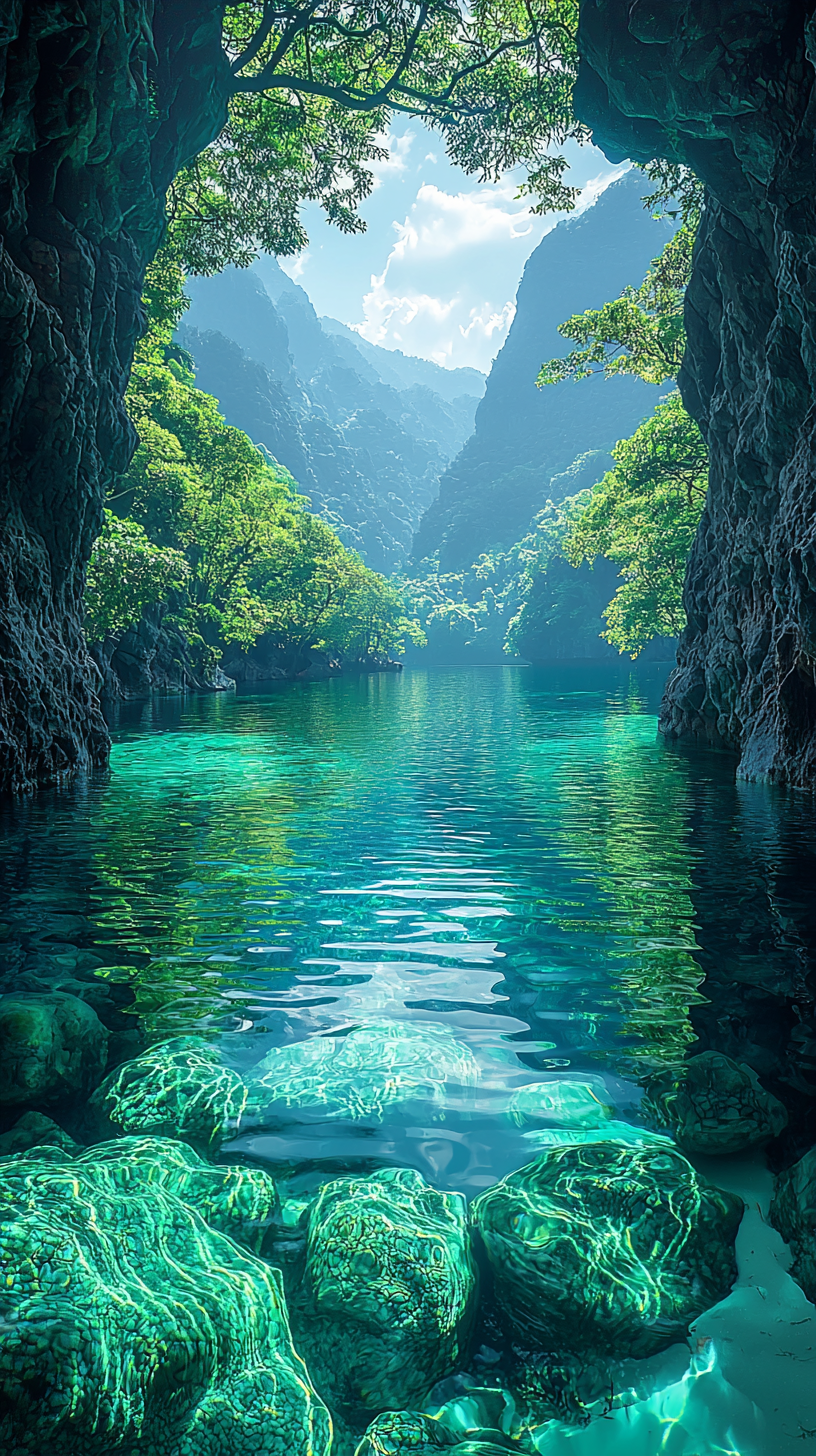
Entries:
{"x":100,"y":106}
{"x":728,"y":87}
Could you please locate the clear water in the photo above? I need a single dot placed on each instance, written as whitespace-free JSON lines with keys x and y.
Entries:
{"x":509,"y":853}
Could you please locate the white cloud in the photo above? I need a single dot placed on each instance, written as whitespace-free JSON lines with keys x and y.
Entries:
{"x":397,"y":159}
{"x":294,"y":267}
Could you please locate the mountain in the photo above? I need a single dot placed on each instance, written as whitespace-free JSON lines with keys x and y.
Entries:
{"x":366,"y":434}
{"x":524,"y":436}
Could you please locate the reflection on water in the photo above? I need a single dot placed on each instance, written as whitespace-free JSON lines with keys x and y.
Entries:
{"x":510,"y":855}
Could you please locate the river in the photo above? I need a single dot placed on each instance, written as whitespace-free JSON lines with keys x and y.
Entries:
{"x":508,"y":853}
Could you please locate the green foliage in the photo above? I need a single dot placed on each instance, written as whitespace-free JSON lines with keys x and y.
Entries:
{"x":639,"y":333}
{"x":126,"y":574}
{"x":644,"y":514}
{"x":314,"y":86}
{"x":210,"y":517}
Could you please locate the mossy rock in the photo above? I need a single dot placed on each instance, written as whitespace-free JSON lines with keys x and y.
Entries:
{"x":714,"y":1106}
{"x":409,"y":1433}
{"x":179,"y":1088}
{"x":389,"y":1291}
{"x":360,"y":1075}
{"x":131,"y":1325}
{"x":607,"y":1247}
{"x":52,"y":1047}
{"x":793,"y":1213}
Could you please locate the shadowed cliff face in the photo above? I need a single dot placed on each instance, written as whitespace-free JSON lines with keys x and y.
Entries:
{"x":95,"y":121}
{"x":728,"y":87}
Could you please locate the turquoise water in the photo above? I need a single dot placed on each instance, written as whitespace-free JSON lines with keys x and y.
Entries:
{"x":510,"y":854}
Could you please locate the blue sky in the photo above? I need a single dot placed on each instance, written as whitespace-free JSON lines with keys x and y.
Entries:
{"x":437,"y":270}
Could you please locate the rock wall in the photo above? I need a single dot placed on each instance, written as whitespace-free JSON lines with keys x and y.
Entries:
{"x":728,"y":88}
{"x":100,"y":105}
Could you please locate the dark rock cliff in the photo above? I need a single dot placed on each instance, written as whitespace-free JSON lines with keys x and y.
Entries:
{"x":100,"y":105}
{"x":728,"y":88}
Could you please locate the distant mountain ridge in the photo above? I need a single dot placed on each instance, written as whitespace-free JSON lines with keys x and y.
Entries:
{"x":526,"y":439}
{"x":365,"y":435}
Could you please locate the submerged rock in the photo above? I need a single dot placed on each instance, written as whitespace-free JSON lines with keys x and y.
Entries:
{"x":793,"y":1213}
{"x":408,"y":1433}
{"x":562,"y":1101}
{"x":359,"y":1075}
{"x":33,"y":1130}
{"x":389,"y":1290}
{"x":179,"y":1088}
{"x":238,"y":1200}
{"x":607,"y":1247}
{"x":714,"y":1105}
{"x":131,"y":1325}
{"x":51,"y":1046}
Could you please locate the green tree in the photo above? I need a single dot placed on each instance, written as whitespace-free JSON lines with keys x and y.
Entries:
{"x":312,"y":86}
{"x":639,"y":333}
{"x":644,"y":514}
{"x":127,"y":573}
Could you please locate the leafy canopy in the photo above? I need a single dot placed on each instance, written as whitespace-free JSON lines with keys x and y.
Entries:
{"x":639,"y":333}
{"x":644,"y":514}
{"x":315,"y":82}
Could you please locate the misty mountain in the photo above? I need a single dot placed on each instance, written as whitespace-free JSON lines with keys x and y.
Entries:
{"x":365,"y":433}
{"x":525,"y":437}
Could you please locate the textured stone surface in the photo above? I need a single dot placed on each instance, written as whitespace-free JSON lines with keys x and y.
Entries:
{"x":793,"y":1212}
{"x":130,"y":1325}
{"x":99,"y":107}
{"x":179,"y":1088}
{"x":407,"y":1433}
{"x":607,"y":1247}
{"x":153,"y":656}
{"x":34,"y":1130}
{"x":51,"y":1047}
{"x":714,"y":1105}
{"x":389,"y":1291}
{"x":728,"y":88}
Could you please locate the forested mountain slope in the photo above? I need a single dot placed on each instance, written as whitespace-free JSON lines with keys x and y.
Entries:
{"x":525,"y":436}
{"x":365,"y":433}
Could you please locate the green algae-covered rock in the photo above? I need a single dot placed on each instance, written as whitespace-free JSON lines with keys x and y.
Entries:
{"x":562,"y":1101}
{"x":129,"y":1325}
{"x":389,"y":1291}
{"x":408,"y":1433}
{"x":179,"y":1088}
{"x":240,"y":1201}
{"x":51,"y":1047}
{"x":793,"y":1213}
{"x":34,"y":1130}
{"x":714,"y":1105}
{"x":359,"y":1075}
{"x":607,"y":1247}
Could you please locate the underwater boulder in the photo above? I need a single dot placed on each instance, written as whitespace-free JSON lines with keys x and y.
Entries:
{"x":389,"y":1290}
{"x":793,"y":1213}
{"x":52,"y":1047}
{"x":562,"y":1101}
{"x":607,"y":1247}
{"x":34,"y":1130}
{"x":409,"y":1433}
{"x":238,"y":1200}
{"x":359,"y":1075}
{"x":179,"y":1088}
{"x":131,"y":1325}
{"x":714,"y":1105}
